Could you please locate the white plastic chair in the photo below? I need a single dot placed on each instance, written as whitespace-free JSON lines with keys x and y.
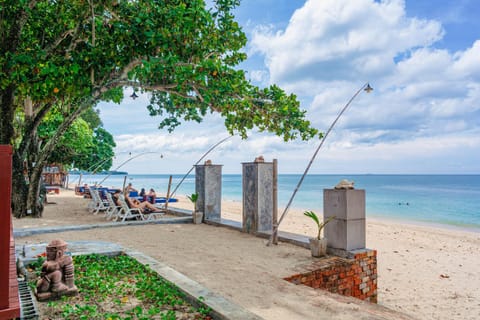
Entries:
{"x":97,"y":203}
{"x":126,"y":212}
{"x":112,"y":209}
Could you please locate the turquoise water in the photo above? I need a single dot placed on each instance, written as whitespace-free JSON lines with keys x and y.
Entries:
{"x":439,"y":199}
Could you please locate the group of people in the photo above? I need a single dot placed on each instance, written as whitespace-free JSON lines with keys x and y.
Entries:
{"x":150,"y":196}
{"x":147,"y":203}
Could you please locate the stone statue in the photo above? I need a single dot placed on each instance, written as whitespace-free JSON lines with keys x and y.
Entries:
{"x":57,"y":276}
{"x":345,"y":184}
{"x":259,"y":159}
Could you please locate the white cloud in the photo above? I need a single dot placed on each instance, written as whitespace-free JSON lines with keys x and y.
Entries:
{"x":422,"y":117}
{"x":260,"y":76}
{"x":341,"y":39}
{"x":330,"y":46}
{"x":467,"y":63}
{"x":417,"y":155}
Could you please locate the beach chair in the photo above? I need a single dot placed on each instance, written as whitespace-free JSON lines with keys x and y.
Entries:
{"x":113,"y":209}
{"x":126,"y":212}
{"x":154,"y":214}
{"x":97,"y":204}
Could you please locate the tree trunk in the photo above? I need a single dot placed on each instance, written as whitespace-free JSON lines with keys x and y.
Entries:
{"x":19,"y":188}
{"x":34,"y":201}
{"x":27,"y":178}
{"x":24,"y":157}
{"x":24,"y":164}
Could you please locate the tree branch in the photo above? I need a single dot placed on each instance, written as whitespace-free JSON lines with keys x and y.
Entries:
{"x":31,"y":125}
{"x":50,"y":145}
{"x":197,"y":92}
{"x":129,"y":67}
{"x":57,"y":42}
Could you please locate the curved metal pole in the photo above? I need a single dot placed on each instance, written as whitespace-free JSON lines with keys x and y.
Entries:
{"x":204,"y":155}
{"x":99,"y":163}
{"x":125,"y":162}
{"x":365,"y":87}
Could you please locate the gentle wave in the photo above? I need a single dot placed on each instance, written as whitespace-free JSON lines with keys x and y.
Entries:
{"x":443,"y":199}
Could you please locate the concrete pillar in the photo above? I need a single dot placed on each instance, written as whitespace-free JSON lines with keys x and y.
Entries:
{"x":257,"y":193}
{"x":208,"y":185}
{"x":347,"y":230}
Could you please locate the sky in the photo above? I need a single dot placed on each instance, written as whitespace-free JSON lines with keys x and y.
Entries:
{"x":422,"y":58}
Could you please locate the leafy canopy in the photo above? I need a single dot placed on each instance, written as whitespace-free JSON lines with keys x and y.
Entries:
{"x":185,"y":54}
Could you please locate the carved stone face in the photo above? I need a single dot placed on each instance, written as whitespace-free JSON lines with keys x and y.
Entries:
{"x":51,"y":253}
{"x":55,"y":249}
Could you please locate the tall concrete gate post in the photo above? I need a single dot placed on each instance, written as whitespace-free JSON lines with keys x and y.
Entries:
{"x":208,"y":185}
{"x":257,"y":196}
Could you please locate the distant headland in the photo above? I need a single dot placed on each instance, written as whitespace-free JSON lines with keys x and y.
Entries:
{"x":113,"y":172}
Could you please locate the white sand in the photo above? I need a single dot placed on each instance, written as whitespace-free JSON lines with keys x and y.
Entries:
{"x":424,"y":272}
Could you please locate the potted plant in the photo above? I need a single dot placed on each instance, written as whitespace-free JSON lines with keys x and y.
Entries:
{"x":197,"y":215}
{"x":318,"y":245}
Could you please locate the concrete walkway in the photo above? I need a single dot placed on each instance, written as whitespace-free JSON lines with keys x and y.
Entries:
{"x":293,"y":302}
{"x":221,"y":308}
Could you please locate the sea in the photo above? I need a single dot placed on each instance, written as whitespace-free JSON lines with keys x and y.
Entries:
{"x":442,"y":200}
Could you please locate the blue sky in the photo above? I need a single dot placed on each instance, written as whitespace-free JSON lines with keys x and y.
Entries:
{"x":421,"y":57}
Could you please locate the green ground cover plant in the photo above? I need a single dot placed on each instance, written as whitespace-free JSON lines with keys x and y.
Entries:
{"x":119,"y":288}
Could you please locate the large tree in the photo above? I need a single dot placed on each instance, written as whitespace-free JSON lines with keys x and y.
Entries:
{"x":84,"y":52}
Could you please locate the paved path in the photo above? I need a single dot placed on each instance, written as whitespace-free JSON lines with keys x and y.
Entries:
{"x":198,"y":253}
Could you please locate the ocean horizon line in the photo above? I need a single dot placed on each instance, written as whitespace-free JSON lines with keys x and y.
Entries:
{"x":439,"y":198}
{"x":320,"y":174}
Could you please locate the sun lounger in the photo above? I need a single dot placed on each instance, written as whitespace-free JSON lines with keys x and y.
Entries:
{"x":154,"y":214}
{"x":144,"y":214}
{"x":126,"y":212}
{"x":97,"y":204}
{"x":112,"y":209}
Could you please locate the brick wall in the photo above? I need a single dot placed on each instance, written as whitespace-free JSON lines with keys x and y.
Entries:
{"x":355,"y":276}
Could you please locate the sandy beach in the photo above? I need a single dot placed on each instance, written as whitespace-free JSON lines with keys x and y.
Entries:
{"x":424,"y":272}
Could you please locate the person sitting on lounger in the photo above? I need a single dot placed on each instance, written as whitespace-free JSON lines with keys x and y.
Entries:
{"x":144,"y":206}
{"x":143,"y":194}
{"x":115,"y":196}
{"x":151,"y":196}
{"x":129,"y":189}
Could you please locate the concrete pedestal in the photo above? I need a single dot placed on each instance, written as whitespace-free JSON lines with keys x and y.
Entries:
{"x":347,"y":230}
{"x":208,"y":185}
{"x":257,"y":191}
